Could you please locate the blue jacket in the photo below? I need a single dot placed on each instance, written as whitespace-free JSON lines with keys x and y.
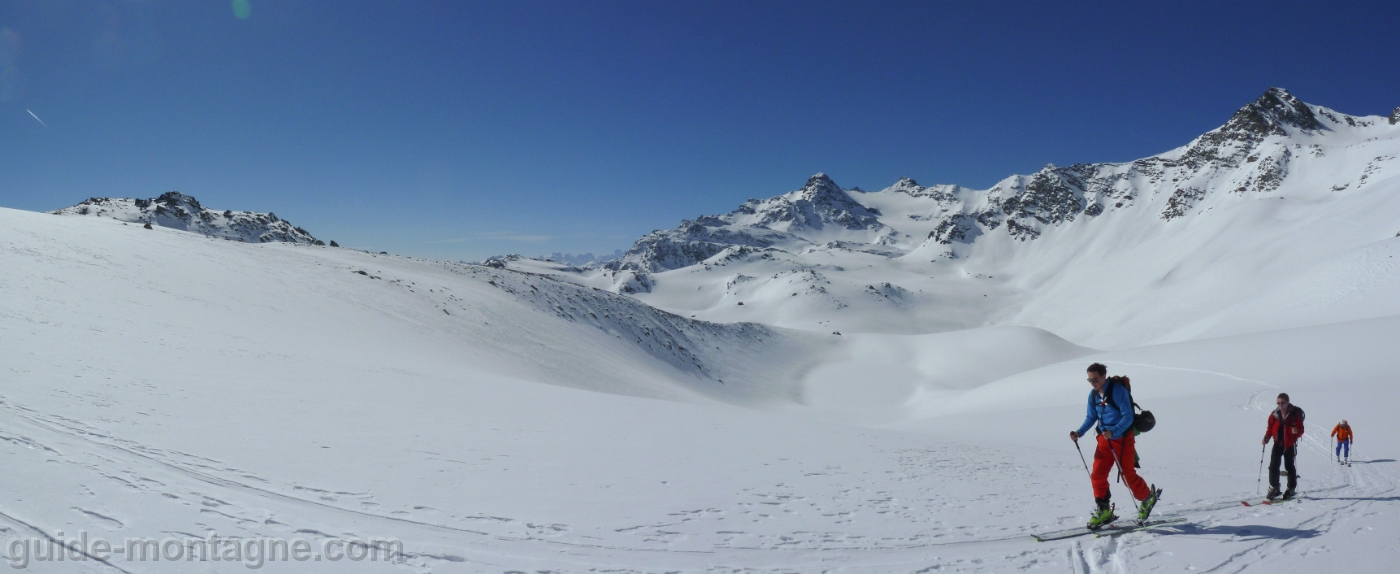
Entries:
{"x":1117,"y":417}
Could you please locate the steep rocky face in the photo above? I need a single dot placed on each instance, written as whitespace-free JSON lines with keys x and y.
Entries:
{"x":179,"y":211}
{"x":1395,"y":116}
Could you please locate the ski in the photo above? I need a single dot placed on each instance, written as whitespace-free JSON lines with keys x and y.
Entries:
{"x":1272,"y":502}
{"x":1134,"y":527}
{"x":1066,"y":533}
{"x":1111,"y":528}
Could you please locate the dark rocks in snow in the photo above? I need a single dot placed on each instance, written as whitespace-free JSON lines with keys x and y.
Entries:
{"x":183,"y":212}
{"x":954,"y":228}
{"x":1052,"y":196}
{"x":1395,"y":117}
{"x":1180,"y":202}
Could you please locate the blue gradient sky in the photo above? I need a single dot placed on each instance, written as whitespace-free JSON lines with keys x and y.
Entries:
{"x":457,"y":130}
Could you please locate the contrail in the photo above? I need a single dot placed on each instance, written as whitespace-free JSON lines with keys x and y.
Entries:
{"x":41,"y":122}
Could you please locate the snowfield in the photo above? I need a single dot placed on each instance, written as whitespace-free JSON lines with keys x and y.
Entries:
{"x":903,"y":413}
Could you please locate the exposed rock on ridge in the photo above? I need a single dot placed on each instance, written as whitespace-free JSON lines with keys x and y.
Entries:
{"x":179,"y":211}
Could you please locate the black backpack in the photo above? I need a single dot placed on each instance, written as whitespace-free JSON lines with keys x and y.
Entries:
{"x":1143,"y":420}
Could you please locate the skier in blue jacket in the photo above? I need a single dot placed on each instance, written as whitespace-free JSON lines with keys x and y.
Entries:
{"x":1111,"y":406}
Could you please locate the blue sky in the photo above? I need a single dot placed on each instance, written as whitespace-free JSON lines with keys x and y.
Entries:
{"x":457,"y":130}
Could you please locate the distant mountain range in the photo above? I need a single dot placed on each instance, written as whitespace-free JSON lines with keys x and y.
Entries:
{"x":1282,"y":186}
{"x":1234,"y":158}
{"x":179,"y":211}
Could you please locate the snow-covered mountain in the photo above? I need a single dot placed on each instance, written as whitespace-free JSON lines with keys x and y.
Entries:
{"x":179,"y":211}
{"x":1263,"y":204}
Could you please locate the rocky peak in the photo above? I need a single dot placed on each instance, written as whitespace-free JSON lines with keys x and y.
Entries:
{"x":907,"y":185}
{"x":820,"y":185}
{"x":1271,"y":113}
{"x":176,"y":210}
{"x":1231,"y":144}
{"x":1395,"y":117}
{"x":176,"y":198}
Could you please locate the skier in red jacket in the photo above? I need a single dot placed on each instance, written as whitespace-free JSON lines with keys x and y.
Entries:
{"x":1285,"y":427}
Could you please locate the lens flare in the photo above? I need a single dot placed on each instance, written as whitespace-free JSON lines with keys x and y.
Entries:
{"x":241,"y":9}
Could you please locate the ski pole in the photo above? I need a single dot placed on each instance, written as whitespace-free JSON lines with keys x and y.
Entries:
{"x":1081,"y":459}
{"x":1119,"y":461}
{"x":1260,"y":481}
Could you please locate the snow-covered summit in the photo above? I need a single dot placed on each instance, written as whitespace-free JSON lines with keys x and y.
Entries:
{"x":819,"y":212}
{"x":179,"y":211}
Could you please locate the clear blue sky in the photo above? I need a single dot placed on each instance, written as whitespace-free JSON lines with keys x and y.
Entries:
{"x":457,"y":130}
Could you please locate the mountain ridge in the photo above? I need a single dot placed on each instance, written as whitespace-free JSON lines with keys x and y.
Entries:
{"x":1035,"y":249}
{"x":183,"y":212}
{"x":1023,"y":204}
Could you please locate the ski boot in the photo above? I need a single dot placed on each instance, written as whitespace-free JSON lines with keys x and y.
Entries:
{"x":1102,"y":515}
{"x":1145,"y":507}
{"x":1289,"y":494}
{"x":1273,"y":493}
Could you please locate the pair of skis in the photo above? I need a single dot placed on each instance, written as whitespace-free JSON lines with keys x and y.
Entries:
{"x":1111,"y":529}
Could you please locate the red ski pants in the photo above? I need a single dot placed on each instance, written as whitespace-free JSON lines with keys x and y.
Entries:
{"x":1121,"y":449}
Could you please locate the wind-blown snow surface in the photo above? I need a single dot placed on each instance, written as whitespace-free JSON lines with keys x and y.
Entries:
{"x":161,"y":383}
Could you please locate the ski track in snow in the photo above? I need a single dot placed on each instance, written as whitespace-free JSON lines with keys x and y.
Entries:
{"x":1337,"y":500}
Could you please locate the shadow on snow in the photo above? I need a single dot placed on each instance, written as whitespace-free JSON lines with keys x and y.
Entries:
{"x":1251,"y":531}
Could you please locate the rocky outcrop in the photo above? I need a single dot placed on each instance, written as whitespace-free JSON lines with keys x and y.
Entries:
{"x":179,"y":211}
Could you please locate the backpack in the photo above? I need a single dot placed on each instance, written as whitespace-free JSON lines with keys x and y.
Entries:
{"x":1143,"y":420}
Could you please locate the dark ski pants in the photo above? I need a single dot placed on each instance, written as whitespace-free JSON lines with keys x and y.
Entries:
{"x":1343,"y":444}
{"x":1287,"y":455}
{"x":1108,"y":451}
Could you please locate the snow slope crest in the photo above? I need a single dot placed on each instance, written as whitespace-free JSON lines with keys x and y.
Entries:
{"x":179,"y":211}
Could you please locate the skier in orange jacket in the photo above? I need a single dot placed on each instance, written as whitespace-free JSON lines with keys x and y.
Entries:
{"x":1343,"y":433}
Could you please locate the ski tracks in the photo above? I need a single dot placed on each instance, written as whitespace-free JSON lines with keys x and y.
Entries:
{"x":84,"y":478}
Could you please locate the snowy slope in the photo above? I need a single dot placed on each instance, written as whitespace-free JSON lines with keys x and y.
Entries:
{"x":1265,"y":204}
{"x":163,"y":383}
{"x":179,"y":211}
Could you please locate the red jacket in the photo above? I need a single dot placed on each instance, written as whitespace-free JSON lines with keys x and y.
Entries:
{"x":1291,"y":423}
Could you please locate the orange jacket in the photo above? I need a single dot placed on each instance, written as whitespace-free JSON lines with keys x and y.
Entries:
{"x":1343,"y":433}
